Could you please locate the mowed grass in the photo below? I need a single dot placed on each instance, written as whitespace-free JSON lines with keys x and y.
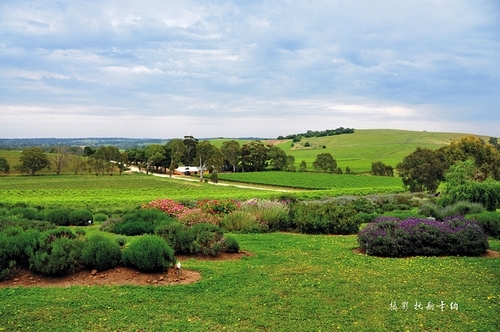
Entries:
{"x":291,"y":283}
{"x":115,"y":192}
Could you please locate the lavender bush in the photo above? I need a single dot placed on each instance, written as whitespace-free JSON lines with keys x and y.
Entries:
{"x":391,"y":237}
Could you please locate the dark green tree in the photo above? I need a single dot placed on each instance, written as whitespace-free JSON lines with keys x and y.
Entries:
{"x":379,"y":168}
{"x":4,"y":165}
{"x":325,"y":163}
{"x":254,"y":156}
{"x":277,"y":158}
{"x":422,"y":170}
{"x":33,"y":160}
{"x":303,"y":166}
{"x":290,"y":163}
{"x":231,"y":151}
{"x":177,"y":151}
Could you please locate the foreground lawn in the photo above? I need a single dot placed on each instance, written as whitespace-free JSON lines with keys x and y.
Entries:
{"x":291,"y":283}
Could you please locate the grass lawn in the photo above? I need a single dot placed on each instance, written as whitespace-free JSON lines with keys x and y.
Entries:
{"x":291,"y":283}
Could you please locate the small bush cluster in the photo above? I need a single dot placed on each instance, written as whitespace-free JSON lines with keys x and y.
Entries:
{"x":220,"y":206}
{"x":243,"y":222}
{"x":168,"y":206}
{"x":460,"y":208}
{"x":325,"y":218}
{"x":148,"y":253}
{"x":490,"y":221}
{"x":273,"y":215}
{"x":197,"y":216}
{"x":16,"y":246}
{"x":392,"y":237}
{"x":142,"y":221}
{"x":101,"y":253}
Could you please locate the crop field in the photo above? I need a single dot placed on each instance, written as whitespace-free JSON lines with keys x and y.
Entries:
{"x":118,"y":191}
{"x":291,"y":283}
{"x":308,"y":180}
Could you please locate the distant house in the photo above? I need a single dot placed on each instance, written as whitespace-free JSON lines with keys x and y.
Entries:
{"x":187,"y":170}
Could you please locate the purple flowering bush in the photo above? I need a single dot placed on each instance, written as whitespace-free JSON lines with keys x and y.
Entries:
{"x":392,"y":237}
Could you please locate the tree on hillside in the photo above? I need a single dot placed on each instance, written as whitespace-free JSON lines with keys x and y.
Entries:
{"x":33,"y":160}
{"x":290,"y":163}
{"x":277,"y":158}
{"x":189,"y":156}
{"x":422,"y":170}
{"x":4,"y":165}
{"x":379,"y":168}
{"x":88,"y":151}
{"x":303,"y":166}
{"x":155,"y":154}
{"x":177,"y":151}
{"x":231,"y":151}
{"x":324,"y":162}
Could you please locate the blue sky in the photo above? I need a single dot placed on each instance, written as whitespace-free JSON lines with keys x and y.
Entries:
{"x":163,"y":69}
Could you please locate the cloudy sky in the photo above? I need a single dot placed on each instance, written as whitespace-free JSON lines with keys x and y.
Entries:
{"x":163,"y":69}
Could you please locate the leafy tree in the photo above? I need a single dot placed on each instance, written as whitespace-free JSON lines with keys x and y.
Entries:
{"x":88,"y":151}
{"x":4,"y":165}
{"x":379,"y":168}
{"x":277,"y":158}
{"x":254,"y":156}
{"x":494,"y":142}
{"x":325,"y":163}
{"x":33,"y":160}
{"x":231,"y":151}
{"x":207,"y":154}
{"x":303,"y":166}
{"x":485,"y":155}
{"x":177,"y":151}
{"x":190,"y":142}
{"x":155,"y":154}
{"x":422,"y":170}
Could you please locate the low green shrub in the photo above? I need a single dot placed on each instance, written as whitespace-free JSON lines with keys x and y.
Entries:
{"x":148,"y":253}
{"x":366,"y":217}
{"x":58,"y":253}
{"x":109,"y":224}
{"x":100,"y":217}
{"x":101,"y":253}
{"x":243,"y":222}
{"x":392,"y":237}
{"x":461,"y":208}
{"x":218,"y":206}
{"x":230,"y":244}
{"x":80,"y":217}
{"x":143,"y":221}
{"x":59,"y":217}
{"x":325,"y":218}
{"x":490,"y":221}
{"x":177,"y":235}
{"x":208,"y":239}
{"x":24,"y":212}
{"x":16,"y":246}
{"x":273,"y":215}
{"x":121,"y":240}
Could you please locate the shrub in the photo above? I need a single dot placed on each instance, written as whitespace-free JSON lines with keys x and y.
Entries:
{"x":109,"y":224}
{"x":490,"y":222}
{"x":59,"y":217}
{"x":197,"y":216}
{"x":100,"y":217}
{"x":221,"y":206}
{"x":101,"y":253}
{"x":121,"y":240}
{"x":16,"y":245}
{"x":392,"y":237}
{"x":363,"y":205}
{"x":167,"y":206}
{"x":24,"y":212}
{"x":58,"y":253}
{"x":325,"y":218}
{"x":140,"y":222}
{"x":243,"y":222}
{"x":208,"y":239}
{"x":177,"y":235}
{"x":273,"y":214}
{"x":460,"y":208}
{"x":230,"y":244}
{"x":148,"y":253}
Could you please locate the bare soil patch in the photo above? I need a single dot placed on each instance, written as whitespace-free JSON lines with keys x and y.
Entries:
{"x":117,"y":276}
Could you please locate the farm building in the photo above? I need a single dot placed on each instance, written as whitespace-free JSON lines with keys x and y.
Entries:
{"x":187,"y":170}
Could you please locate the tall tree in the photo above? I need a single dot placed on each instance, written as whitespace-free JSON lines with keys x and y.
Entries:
{"x":4,"y":165}
{"x":277,"y":158}
{"x":177,"y":151}
{"x":155,"y":153}
{"x":60,"y":158}
{"x":254,"y":156}
{"x":33,"y":160}
{"x":205,"y":153}
{"x":290,"y":163}
{"x":231,"y":152}
{"x":190,"y":142}
{"x":379,"y":168}
{"x":324,"y":162}
{"x":422,"y":170}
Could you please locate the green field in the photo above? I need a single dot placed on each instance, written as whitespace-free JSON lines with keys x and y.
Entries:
{"x":315,"y":180}
{"x":291,"y":283}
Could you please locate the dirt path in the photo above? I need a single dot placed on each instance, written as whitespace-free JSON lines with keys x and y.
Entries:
{"x":188,"y":178}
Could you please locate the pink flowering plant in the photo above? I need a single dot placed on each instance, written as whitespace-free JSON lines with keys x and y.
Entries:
{"x":170,"y":207}
{"x":218,"y":206}
{"x":195,"y":216}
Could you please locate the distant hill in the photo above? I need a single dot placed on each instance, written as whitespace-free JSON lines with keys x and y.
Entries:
{"x":121,"y":143}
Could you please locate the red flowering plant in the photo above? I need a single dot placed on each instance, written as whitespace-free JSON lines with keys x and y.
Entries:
{"x":170,"y":207}
{"x":218,"y":206}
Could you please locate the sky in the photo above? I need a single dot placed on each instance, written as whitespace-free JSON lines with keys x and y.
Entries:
{"x":247,"y":68}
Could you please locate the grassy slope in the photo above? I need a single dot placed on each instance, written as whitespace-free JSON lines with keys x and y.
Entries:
{"x":291,"y":283}
{"x":358,"y":150}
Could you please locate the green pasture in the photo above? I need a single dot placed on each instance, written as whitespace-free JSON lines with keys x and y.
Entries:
{"x":359,"y":149}
{"x":112,"y":192}
{"x":291,"y":283}
{"x":314,"y":180}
